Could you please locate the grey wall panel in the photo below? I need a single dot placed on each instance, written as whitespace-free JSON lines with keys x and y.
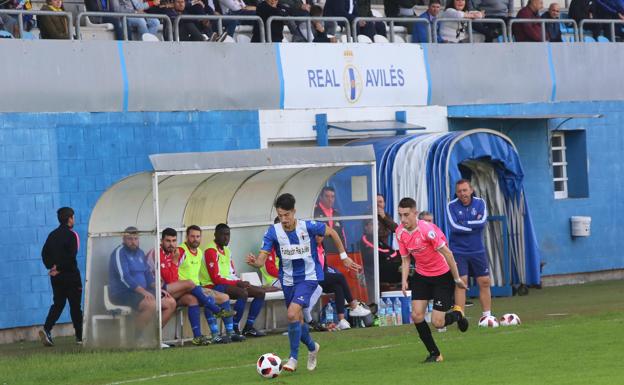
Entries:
{"x":58,"y":76}
{"x":489,"y":73}
{"x":192,"y":76}
{"x":589,"y":71}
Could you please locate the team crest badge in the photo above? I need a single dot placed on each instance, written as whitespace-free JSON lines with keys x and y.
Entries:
{"x":431,"y":234}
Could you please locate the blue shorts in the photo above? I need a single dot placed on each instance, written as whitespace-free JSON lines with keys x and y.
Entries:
{"x":220,"y":288}
{"x":300,"y":293}
{"x":475,"y":266}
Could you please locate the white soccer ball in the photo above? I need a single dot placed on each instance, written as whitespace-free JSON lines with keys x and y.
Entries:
{"x":269,"y":365}
{"x":510,"y":319}
{"x":488,"y":321}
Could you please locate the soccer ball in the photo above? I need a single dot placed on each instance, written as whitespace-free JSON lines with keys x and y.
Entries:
{"x":269,"y":365}
{"x":510,"y":319}
{"x":488,"y":321}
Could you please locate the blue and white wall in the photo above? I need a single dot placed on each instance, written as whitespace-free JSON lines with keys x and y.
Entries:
{"x":49,"y":160}
{"x":604,"y":142}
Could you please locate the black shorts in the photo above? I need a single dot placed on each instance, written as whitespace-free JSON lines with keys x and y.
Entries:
{"x":128,"y":298}
{"x":439,"y":288}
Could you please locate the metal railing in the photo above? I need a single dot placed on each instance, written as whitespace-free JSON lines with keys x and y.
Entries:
{"x":124,"y":17}
{"x":391,"y":21}
{"x":20,"y":18}
{"x":219,"y":19}
{"x":470,"y":22}
{"x":597,"y":22}
{"x":308,"y":20}
{"x":543,"y":22}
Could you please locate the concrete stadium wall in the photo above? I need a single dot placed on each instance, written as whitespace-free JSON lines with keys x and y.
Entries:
{"x":562,"y":253}
{"x":61,"y":76}
{"x":49,"y":160}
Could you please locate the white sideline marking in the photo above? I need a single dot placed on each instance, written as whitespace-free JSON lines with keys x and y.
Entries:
{"x":174,"y":374}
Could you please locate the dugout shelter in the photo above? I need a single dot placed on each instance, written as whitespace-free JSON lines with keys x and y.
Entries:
{"x":205,"y":189}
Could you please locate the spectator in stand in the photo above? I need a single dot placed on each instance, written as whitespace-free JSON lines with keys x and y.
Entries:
{"x":319,"y":35}
{"x":492,"y":9}
{"x":141,"y":25}
{"x":233,"y":8}
{"x":527,"y":32}
{"x":53,"y":27}
{"x":339,"y":8}
{"x":553,"y":29}
{"x":611,"y":10}
{"x":265,"y":10}
{"x":580,"y":10}
{"x":369,"y":28}
{"x":391,"y":8}
{"x":406,"y":8}
{"x":10,"y":22}
{"x":456,"y":32}
{"x":189,"y":30}
{"x":419,"y":33}
{"x":107,"y":6}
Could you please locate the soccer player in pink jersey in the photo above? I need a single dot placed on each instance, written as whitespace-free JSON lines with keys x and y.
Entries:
{"x":435,"y":277}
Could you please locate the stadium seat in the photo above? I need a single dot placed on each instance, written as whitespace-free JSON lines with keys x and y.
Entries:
{"x":588,"y":39}
{"x":602,"y":39}
{"x":229,"y":39}
{"x":376,"y":13}
{"x":270,"y":298}
{"x":364,"y":39}
{"x":149,"y":37}
{"x":115,"y":312}
{"x":5,"y":34}
{"x":398,"y":39}
{"x":240,"y":38}
{"x":379,"y":39}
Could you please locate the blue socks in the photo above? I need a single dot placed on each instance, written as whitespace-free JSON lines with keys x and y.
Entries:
{"x":239,"y":306}
{"x":193,"y":314}
{"x":229,"y":325}
{"x":254,"y":310}
{"x":212,"y":323}
{"x":206,"y":301}
{"x":306,"y":338}
{"x":294,"y":335}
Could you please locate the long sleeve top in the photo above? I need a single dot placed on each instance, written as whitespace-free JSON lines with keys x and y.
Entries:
{"x":466,"y":226}
{"x":60,"y":249}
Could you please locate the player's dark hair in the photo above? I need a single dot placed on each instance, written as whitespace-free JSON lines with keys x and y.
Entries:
{"x":407,"y":203}
{"x":169,"y":232}
{"x":191,"y":228}
{"x":220,"y":227}
{"x":285,"y":201}
{"x":435,"y":2}
{"x":327,"y":188}
{"x":63,"y":214}
{"x":423,"y":214}
{"x":461,"y":181}
{"x":276,"y":220}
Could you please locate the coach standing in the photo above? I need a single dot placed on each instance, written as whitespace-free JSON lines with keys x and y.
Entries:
{"x":59,"y":257}
{"x":467,"y":215}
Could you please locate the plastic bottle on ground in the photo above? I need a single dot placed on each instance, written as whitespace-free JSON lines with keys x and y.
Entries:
{"x":398,"y":308}
{"x":382,"y":313}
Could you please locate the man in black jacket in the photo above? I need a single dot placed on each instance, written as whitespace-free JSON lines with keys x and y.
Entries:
{"x":59,"y":257}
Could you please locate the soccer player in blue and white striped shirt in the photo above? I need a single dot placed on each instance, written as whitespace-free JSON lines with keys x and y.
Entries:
{"x":299,"y":270}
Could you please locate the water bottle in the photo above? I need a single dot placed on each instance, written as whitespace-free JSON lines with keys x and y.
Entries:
{"x":382,"y":313}
{"x":329,"y":313}
{"x":428,"y":313}
{"x":389,"y":313}
{"x":399,"y":311}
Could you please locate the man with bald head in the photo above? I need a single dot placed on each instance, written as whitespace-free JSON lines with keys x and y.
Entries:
{"x":553,"y":29}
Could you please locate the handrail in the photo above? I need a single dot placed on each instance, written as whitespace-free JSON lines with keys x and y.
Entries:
{"x":20,"y":18}
{"x":392,"y":21}
{"x":219,"y":19}
{"x":124,"y":17}
{"x":543,"y":22}
{"x":308,"y":20}
{"x":470,"y":22}
{"x":599,"y":21}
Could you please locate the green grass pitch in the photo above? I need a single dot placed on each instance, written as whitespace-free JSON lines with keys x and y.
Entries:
{"x":569,"y":335}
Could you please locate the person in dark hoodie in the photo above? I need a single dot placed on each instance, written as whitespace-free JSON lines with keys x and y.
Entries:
{"x":59,"y":257}
{"x":53,"y":27}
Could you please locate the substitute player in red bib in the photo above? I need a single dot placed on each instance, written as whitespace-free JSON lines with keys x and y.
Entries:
{"x":435,"y":277}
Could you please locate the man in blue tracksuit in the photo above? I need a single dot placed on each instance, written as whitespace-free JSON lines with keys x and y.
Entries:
{"x":467,"y":215}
